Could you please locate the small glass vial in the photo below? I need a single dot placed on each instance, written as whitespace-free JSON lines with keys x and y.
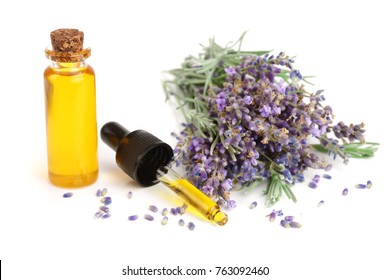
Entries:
{"x":70,"y":101}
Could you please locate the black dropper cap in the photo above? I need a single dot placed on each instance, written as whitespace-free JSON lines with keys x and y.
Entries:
{"x":139,"y":154}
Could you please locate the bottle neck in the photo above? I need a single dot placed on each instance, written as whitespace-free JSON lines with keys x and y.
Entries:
{"x":68,"y":67}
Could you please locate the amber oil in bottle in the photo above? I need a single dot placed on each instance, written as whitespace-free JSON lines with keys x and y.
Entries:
{"x":70,"y":100}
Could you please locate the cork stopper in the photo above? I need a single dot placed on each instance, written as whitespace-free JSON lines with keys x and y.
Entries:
{"x":67,"y":45}
{"x":67,"y":40}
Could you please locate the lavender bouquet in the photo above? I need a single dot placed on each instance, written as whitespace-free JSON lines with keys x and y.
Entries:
{"x":250,"y":119}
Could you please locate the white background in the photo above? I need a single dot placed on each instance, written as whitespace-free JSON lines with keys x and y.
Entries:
{"x":43,"y":236}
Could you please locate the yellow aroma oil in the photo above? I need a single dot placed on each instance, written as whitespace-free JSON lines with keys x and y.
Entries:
{"x":183,"y":188}
{"x":70,"y":99}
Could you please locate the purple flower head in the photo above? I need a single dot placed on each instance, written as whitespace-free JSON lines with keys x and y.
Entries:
{"x":231,"y":71}
{"x":227,"y":185}
{"x":231,"y":203}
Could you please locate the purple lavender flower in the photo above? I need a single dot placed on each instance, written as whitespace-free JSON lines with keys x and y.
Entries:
{"x":252,"y":122}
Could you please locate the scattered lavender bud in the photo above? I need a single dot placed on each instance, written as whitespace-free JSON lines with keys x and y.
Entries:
{"x":133,"y":217}
{"x":294,"y":224}
{"x":106,"y":200}
{"x":361,"y":186}
{"x":164,"y":212}
{"x":67,"y":195}
{"x":164,"y":221}
{"x":313,"y":185}
{"x":345,"y":191}
{"x":289,"y":218}
{"x":153,"y":208}
{"x":174,"y":211}
{"x":148,"y":217}
{"x":328,"y":167}
{"x":191,"y":226}
{"x":98,"y":192}
{"x":98,"y":214}
{"x":321,"y":203}
{"x":104,"y":209}
{"x":327,"y":176}
{"x":278,"y":212}
{"x":104,"y":192}
{"x":129,"y":194}
{"x":369,"y":184}
{"x":181,"y":222}
{"x":253,"y":205}
{"x":284,"y":224}
{"x":316,"y":178}
{"x":271,"y":216}
{"x":181,"y":210}
{"x":106,"y":216}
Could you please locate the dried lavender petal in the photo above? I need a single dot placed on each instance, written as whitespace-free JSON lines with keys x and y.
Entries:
{"x":129,"y":194}
{"x":164,"y":212}
{"x":133,"y":217}
{"x":99,"y":214}
{"x":361,"y":186}
{"x":369,"y":184}
{"x":153,"y":208}
{"x":191,"y":226}
{"x":289,"y":218}
{"x":284,"y":224}
{"x":316,"y":178}
{"x":164,"y":221}
{"x":327,"y":176}
{"x":181,"y":222}
{"x":106,"y":216}
{"x":67,"y":195}
{"x":148,"y":217}
{"x":345,"y":191}
{"x":313,"y":185}
{"x":104,"y":192}
{"x":105,"y":209}
{"x":98,"y":192}
{"x":253,"y":205}
{"x":294,"y":224}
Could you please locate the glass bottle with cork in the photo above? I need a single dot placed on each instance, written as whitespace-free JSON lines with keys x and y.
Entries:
{"x":70,"y":101}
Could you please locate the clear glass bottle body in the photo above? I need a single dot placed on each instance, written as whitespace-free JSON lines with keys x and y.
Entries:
{"x":71,"y":127}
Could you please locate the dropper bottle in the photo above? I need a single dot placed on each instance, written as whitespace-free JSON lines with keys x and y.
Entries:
{"x":148,"y":161}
